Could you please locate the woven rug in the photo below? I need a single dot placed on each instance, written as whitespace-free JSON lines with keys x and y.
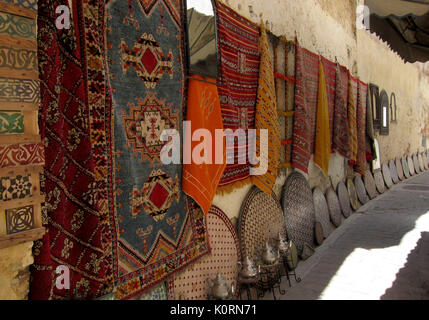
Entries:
{"x":201,"y":176}
{"x":341,"y":135}
{"x":261,"y":219}
{"x":239,"y":51}
{"x":351,"y":115}
{"x":191,"y":284}
{"x":158,"y":230}
{"x":298,"y":209}
{"x":361,"y":166}
{"x":322,"y":150}
{"x":72,"y":128}
{"x":267,"y":119}
{"x":330,"y":69}
{"x":304,"y":123}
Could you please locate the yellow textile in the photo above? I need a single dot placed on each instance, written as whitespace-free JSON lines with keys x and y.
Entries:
{"x":267,"y":118}
{"x":351,"y":110}
{"x":322,"y":150}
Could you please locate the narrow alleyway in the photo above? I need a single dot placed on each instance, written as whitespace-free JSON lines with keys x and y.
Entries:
{"x":380,"y":252}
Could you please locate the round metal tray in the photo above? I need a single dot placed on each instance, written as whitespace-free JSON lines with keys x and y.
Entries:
{"x":386,"y":175}
{"x":298,"y":210}
{"x":416,"y":164}
{"x":351,"y":189}
{"x":410,"y":163}
{"x":404,"y":162}
{"x":360,"y":190}
{"x":370,"y":186}
{"x":399,"y":169}
{"x":334,"y":207}
{"x":344,"y":198}
{"x":393,"y":172}
{"x":379,"y":181}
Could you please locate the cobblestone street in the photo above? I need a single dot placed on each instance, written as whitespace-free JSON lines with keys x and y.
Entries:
{"x":380,"y":252}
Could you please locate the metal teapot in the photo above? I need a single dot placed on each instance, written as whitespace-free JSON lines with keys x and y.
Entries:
{"x":219,"y":288}
{"x":283,"y":245}
{"x":270,"y":256}
{"x":248,"y":268}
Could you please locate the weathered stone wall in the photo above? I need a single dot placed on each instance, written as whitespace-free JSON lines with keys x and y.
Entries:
{"x":14,"y":271}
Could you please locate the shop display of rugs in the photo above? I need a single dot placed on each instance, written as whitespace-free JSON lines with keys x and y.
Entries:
{"x":157,"y":230}
{"x":298,"y":209}
{"x":261,"y":219}
{"x":341,"y":138}
{"x":322,"y":212}
{"x":239,"y":49}
{"x":191,"y":283}
{"x":306,"y":93}
{"x":72,"y":128}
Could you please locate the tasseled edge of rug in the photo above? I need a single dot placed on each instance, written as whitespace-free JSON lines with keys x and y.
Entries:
{"x":223,"y":190}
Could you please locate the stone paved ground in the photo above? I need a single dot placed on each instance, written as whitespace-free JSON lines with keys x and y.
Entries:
{"x":380,"y":252}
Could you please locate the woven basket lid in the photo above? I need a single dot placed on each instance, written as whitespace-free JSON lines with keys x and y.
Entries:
{"x":411,"y":165}
{"x":416,"y":163}
{"x":318,"y":233}
{"x":322,"y":211}
{"x":261,"y":219}
{"x":370,"y":186}
{"x":379,"y":181}
{"x":399,"y":170}
{"x":298,"y":209}
{"x":422,"y":166}
{"x":344,"y":198}
{"x":360,"y":190}
{"x":393,"y":172}
{"x":191,"y":284}
{"x":334,"y":206}
{"x":386,"y":175}
{"x":425,"y":161}
{"x":404,"y":162}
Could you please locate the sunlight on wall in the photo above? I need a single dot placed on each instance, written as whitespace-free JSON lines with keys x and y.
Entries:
{"x":367,"y":274}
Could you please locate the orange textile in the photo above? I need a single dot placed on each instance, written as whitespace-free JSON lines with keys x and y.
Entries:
{"x":200,"y":181}
{"x":322,"y":151}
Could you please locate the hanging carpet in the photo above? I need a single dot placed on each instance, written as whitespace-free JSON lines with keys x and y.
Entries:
{"x":239,"y":49}
{"x":341,"y":135}
{"x":157,"y":229}
{"x":266,"y":119}
{"x":351,"y":115}
{"x":71,"y":125}
{"x":361,"y":163}
{"x":306,"y":92}
{"x":330,"y":69}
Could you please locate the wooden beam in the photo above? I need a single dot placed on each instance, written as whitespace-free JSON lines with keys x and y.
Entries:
{"x":21,"y":237}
